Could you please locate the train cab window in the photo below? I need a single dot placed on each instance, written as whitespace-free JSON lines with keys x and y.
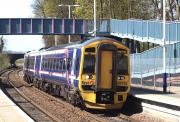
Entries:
{"x":122,"y":64}
{"x":89,"y":64}
{"x":91,"y":50}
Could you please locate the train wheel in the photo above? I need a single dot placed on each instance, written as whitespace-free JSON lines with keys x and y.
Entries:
{"x":71,"y":97}
{"x":66,"y":94}
{"x":35,"y":83}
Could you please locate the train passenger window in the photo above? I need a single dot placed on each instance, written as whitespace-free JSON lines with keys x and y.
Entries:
{"x":69,"y":63}
{"x":49,"y":63}
{"x":54,"y":63}
{"x":46,"y":64}
{"x":122,"y":64}
{"x":64,"y":65}
{"x":89,"y":64}
{"x":57,"y":63}
{"x":42,"y":64}
{"x":61,"y":64}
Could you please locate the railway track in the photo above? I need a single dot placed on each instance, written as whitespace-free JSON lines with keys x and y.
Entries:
{"x":53,"y":108}
{"x":23,"y":102}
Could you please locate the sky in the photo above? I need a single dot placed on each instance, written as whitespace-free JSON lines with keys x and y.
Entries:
{"x":19,"y":9}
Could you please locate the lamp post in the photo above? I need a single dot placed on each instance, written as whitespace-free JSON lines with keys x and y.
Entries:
{"x":69,"y":8}
{"x":95,"y":18}
{"x":164,"y":48}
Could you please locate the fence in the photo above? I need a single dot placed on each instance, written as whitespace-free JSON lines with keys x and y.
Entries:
{"x":147,"y":67}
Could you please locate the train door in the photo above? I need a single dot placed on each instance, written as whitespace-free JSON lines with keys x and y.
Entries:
{"x":106,"y":70}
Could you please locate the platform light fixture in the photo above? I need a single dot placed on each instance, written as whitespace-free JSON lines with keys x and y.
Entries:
{"x":95,"y":18}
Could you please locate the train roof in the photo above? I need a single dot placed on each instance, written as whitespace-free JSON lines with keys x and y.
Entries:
{"x":78,"y":44}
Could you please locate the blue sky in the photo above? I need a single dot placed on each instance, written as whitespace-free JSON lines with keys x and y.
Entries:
{"x":19,"y":9}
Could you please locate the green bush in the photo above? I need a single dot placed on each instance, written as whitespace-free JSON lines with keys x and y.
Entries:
{"x":4,"y":61}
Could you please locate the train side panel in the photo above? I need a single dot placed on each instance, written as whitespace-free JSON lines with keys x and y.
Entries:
{"x":53,"y":68}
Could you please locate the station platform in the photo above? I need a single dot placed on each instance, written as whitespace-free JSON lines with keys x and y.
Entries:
{"x":169,"y":102}
{"x":10,"y":112}
{"x":156,"y":96}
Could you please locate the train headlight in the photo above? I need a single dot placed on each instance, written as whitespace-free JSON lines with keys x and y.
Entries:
{"x":89,"y":76}
{"x":121,"y":78}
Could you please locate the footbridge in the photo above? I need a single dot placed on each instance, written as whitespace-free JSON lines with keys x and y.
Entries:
{"x":140,"y":30}
{"x":143,"y":65}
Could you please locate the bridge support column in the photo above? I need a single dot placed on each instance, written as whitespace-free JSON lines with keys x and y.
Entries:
{"x":165,"y":82}
{"x":148,"y":46}
{"x":153,"y":45}
{"x":127,"y":42}
{"x":143,"y":46}
{"x":138,"y":47}
{"x":132,"y":46}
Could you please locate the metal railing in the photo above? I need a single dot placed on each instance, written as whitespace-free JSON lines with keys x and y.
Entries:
{"x":141,"y":30}
{"x":147,"y":67}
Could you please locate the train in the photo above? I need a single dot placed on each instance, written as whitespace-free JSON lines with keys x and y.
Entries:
{"x":94,"y":74}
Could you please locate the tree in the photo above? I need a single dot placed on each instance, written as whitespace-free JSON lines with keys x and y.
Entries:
{"x":1,"y":43}
{"x":113,"y":9}
{"x":50,"y":8}
{"x":106,"y":9}
{"x":172,"y":11}
{"x":38,"y":8}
